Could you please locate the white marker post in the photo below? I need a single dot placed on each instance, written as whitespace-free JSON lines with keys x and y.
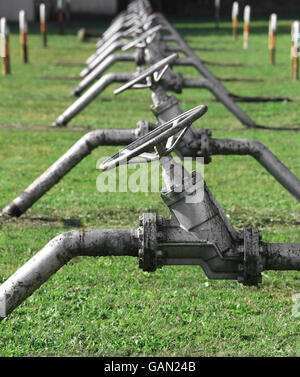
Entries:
{"x":23,"y":35}
{"x":60,"y":11}
{"x":43,"y":24}
{"x":235,"y":13}
{"x":4,"y":46}
{"x":217,"y":12}
{"x":294,"y":49}
{"x":247,"y":12}
{"x":272,"y":36}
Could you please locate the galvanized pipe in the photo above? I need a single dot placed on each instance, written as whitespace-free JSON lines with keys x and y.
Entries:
{"x":90,"y":94}
{"x":102,"y":67}
{"x":64,"y":164}
{"x":57,"y":253}
{"x":263,"y":155}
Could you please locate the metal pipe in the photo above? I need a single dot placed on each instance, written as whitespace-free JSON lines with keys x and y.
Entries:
{"x":114,"y":46}
{"x":102,"y":67}
{"x":225,"y":99}
{"x":128,"y":33}
{"x":90,"y":94}
{"x":64,"y":164}
{"x":281,"y":256}
{"x":263,"y":155}
{"x":197,"y":62}
{"x":103,"y":47}
{"x":57,"y":253}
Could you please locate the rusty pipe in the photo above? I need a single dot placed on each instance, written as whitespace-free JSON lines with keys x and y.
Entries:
{"x":57,"y":253}
{"x":64,"y":164}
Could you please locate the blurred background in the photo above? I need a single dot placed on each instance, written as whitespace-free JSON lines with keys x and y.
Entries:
{"x":105,"y":8}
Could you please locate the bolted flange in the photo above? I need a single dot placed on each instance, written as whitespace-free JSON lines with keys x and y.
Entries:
{"x":204,"y":145}
{"x":148,"y":240}
{"x":252,"y":264}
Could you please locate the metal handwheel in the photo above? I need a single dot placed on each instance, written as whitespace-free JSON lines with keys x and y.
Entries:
{"x":158,"y":137}
{"x":142,"y":38}
{"x":149,"y":75}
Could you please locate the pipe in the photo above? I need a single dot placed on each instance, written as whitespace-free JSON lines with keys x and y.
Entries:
{"x":57,"y":253}
{"x":90,"y":94}
{"x":280,"y":256}
{"x":224,"y":98}
{"x":128,"y":33}
{"x":114,"y":46}
{"x":102,"y":67}
{"x":107,"y":43}
{"x":184,"y":47}
{"x":263,"y":155}
{"x":64,"y":164}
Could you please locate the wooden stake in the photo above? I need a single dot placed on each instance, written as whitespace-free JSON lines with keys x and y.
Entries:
{"x":217,"y":13}
{"x":235,"y":12}
{"x":43,"y":25}
{"x":294,"y":49}
{"x":4,"y":47}
{"x":247,"y":11}
{"x":60,"y":16}
{"x":23,"y":35}
{"x":272,"y":37}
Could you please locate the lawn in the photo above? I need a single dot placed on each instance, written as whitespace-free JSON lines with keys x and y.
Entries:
{"x":108,"y":306}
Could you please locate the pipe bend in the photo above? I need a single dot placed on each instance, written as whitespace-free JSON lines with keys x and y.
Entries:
{"x":58,"y":252}
{"x":82,"y":148}
{"x":256,"y":148}
{"x":99,"y":70}
{"x":262,"y":155}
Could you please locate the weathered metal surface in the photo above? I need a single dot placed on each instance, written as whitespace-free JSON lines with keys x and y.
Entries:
{"x":90,"y":94}
{"x":252,"y":264}
{"x":198,"y":233}
{"x":64,"y":164}
{"x":113,"y":47}
{"x":102,"y":67}
{"x":57,"y":253}
{"x":281,"y":256}
{"x":263,"y":155}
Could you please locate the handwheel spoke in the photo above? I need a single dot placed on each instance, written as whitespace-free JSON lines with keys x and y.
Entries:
{"x":158,"y":136}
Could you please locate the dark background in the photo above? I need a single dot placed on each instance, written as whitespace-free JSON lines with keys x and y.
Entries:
{"x":206,"y":7}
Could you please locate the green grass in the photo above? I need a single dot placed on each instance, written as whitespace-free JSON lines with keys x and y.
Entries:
{"x":107,"y":306}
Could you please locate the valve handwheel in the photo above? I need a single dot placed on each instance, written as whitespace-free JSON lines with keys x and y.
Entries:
{"x":156,"y":137}
{"x":142,"y":38}
{"x":154,"y":73}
